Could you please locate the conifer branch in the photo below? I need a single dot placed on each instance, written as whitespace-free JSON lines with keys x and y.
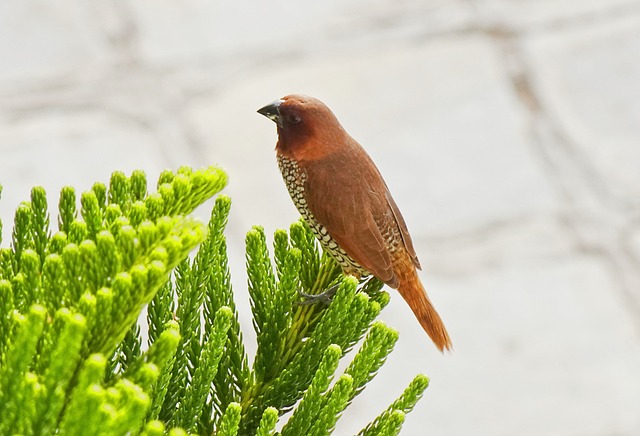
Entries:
{"x":72,"y":348}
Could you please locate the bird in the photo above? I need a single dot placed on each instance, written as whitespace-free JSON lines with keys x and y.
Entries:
{"x":341,"y":194}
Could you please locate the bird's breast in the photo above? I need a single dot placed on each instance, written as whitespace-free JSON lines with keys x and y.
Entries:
{"x":295,"y":178}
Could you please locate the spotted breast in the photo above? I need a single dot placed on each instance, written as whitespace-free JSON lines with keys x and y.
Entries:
{"x":295,"y":180}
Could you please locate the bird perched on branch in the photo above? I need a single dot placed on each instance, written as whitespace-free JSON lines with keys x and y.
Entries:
{"x":341,"y":194}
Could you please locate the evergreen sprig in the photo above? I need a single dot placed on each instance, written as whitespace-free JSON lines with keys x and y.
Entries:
{"x":391,"y":420}
{"x":76,"y":359}
{"x":70,"y":300}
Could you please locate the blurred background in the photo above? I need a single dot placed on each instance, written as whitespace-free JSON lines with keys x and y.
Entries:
{"x":507,"y":130}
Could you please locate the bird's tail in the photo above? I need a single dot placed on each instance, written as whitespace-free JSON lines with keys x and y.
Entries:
{"x":416,"y":297}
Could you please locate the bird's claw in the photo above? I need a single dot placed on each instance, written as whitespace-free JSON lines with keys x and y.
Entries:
{"x":324,"y":297}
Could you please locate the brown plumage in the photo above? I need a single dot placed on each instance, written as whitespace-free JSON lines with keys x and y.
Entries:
{"x":341,"y":194}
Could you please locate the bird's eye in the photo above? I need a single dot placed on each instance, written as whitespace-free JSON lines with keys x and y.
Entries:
{"x":294,"y":119}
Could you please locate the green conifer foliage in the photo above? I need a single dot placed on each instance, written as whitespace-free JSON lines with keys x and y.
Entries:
{"x":70,"y":298}
{"x":76,"y":358}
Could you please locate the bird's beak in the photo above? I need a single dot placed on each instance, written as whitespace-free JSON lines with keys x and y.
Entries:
{"x":272,"y":111}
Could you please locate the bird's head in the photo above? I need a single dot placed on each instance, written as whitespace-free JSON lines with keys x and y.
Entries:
{"x":302,"y":120}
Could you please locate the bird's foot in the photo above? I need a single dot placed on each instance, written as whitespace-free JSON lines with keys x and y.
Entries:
{"x":324,"y":297}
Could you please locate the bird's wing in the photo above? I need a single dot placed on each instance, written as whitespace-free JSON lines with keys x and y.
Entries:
{"x":350,"y":201}
{"x":404,"y":231}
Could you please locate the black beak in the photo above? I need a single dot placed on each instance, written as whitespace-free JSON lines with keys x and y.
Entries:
{"x":272,"y":111}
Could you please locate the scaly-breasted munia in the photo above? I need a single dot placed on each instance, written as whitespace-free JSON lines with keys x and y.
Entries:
{"x":341,"y":194}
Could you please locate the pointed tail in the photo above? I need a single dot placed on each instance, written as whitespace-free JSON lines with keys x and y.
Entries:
{"x":416,"y":297}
